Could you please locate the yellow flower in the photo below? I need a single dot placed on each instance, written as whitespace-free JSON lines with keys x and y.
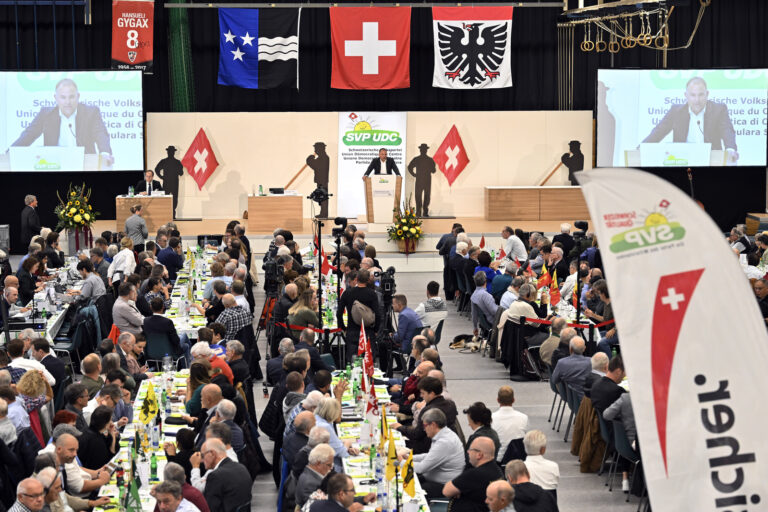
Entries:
{"x":399,"y":232}
{"x":87,"y":217}
{"x":413,"y":221}
{"x":72,"y":194}
{"x":72,"y":210}
{"x":78,"y":218}
{"x":413,"y":230}
{"x":69,"y":215}
{"x":77,"y":203}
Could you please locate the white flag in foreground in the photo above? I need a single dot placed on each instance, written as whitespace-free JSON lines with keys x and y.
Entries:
{"x":694,"y":344}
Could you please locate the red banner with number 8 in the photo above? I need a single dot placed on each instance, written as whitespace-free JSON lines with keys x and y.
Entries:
{"x":132,"y":30}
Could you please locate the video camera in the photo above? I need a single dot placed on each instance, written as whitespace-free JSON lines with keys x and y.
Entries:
{"x":273,"y":275}
{"x":386,"y":282}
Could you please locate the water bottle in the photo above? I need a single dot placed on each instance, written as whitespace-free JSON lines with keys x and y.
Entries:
{"x":155,"y":437}
{"x":167,"y":363}
{"x":381,"y":486}
{"x":153,"y":467}
{"x":261,"y":190}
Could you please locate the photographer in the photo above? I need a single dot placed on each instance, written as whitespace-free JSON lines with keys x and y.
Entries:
{"x":361,"y":304}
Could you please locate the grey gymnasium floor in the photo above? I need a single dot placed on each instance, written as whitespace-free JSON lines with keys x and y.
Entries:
{"x":472,"y":378}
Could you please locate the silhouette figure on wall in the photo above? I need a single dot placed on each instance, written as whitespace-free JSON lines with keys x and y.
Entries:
{"x":425,"y":168}
{"x":574,"y":160}
{"x":170,"y":169}
{"x":320,"y":163}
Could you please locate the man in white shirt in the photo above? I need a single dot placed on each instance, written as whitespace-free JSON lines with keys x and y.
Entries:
{"x":16,"y":353}
{"x":238,"y":290}
{"x":544,"y":473}
{"x":513,"y":246}
{"x":445,"y":459}
{"x":566,"y":289}
{"x":432,"y":310}
{"x":511,"y":294}
{"x":508,"y":422}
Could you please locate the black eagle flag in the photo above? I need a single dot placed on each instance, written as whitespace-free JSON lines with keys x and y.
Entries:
{"x":472,"y":47}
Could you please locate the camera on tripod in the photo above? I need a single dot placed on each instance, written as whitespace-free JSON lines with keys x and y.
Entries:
{"x":273,"y":276}
{"x":387,"y":282}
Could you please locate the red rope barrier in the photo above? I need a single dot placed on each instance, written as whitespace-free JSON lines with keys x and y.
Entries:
{"x":577,"y":326}
{"x":302,"y":327}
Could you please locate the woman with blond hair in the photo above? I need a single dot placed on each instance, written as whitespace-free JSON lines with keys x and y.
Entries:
{"x":304,"y":313}
{"x":327,"y":415}
{"x":33,"y":391}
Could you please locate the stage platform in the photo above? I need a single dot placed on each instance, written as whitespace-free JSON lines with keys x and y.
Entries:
{"x":424,"y":259}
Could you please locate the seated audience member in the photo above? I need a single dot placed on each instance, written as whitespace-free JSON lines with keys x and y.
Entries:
{"x":30,"y":496}
{"x":156,"y":289}
{"x":551,"y":343}
{"x":610,"y":338}
{"x":432,"y":310}
{"x":544,"y":473}
{"x":294,"y":381}
{"x":182,"y":450}
{"x":80,"y":481}
{"x":327,"y":414}
{"x":7,"y":428}
{"x":512,"y":292}
{"x":529,"y":497}
{"x":488,"y":267}
{"x":303,"y":313}
{"x":499,"y":497}
{"x":110,"y":395}
{"x":275,"y":364}
{"x":408,"y":323}
{"x":526,"y":307}
{"x":158,"y":325}
{"x":501,"y":282}
{"x":240,"y":371}
{"x":482,"y":303}
{"x":599,"y":363}
{"x":175,"y":473}
{"x":227,"y":483}
{"x":310,"y":403}
{"x":125,"y":315}
{"x":234,"y":317}
{"x":41,"y":352}
{"x":445,"y":459}
{"x":202,"y":351}
{"x":93,"y":285}
{"x":169,"y":498}
{"x":92,"y":379}
{"x":564,"y":348}
{"x":431,"y":390}
{"x":479,"y":418}
{"x":508,"y":422}
{"x":574,"y":369}
{"x":294,"y":442}
{"x":238,"y":291}
{"x":16,"y":349}
{"x":172,"y":257}
{"x":317,"y":436}
{"x":341,"y":496}
{"x":621,"y":410}
{"x":607,"y":390}
{"x":319,"y":464}
{"x":761,"y":293}
{"x":467,"y":491}
{"x":569,"y":285}
{"x":307,"y":341}
{"x":226,"y":411}
{"x":218,"y":337}
{"x":223,"y":433}
{"x":100,"y":441}
{"x":76,"y":396}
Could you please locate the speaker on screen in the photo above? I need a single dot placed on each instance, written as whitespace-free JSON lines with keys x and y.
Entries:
{"x":681,"y":118}
{"x":71,"y":121}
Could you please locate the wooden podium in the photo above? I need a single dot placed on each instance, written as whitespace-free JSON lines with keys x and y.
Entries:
{"x":534,"y":203}
{"x":156,"y":210}
{"x":382,"y":196}
{"x":265,"y":213}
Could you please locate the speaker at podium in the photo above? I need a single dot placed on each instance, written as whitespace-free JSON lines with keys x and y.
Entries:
{"x":382,"y":196}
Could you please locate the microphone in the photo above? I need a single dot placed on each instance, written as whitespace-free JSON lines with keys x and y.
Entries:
{"x":72,"y":131}
{"x":698,"y":123}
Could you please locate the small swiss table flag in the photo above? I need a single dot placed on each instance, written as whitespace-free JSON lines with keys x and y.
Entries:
{"x":451,"y":157}
{"x":371,"y":47}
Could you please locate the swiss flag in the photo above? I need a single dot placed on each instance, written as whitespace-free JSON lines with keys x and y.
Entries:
{"x":371,"y":47}
{"x":451,"y":157}
{"x":200,"y":161}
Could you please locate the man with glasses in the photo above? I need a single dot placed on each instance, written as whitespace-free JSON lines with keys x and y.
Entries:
{"x":227,"y":483}
{"x":341,"y":496}
{"x":30,"y":496}
{"x":467,"y":491}
{"x":319,"y":465}
{"x":77,"y":399}
{"x":445,"y":459}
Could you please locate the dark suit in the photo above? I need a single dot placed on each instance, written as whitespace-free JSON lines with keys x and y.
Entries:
{"x":375,"y":166}
{"x":157,"y":324}
{"x":172,"y":260}
{"x":228,"y":486}
{"x":55,"y":367}
{"x":567,"y":241}
{"x":88,"y":127}
{"x":210,"y":413}
{"x":240,"y":370}
{"x":142,"y":186}
{"x":292,"y":444}
{"x":604,"y":392}
{"x":27,"y":285}
{"x":417,"y":437}
{"x":316,"y":362}
{"x":326,"y":506}
{"x":30,"y":225}
{"x":275,"y":370}
{"x":573,"y":370}
{"x":717,"y":126}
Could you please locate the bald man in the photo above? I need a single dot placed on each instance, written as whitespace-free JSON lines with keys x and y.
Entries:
{"x":467,"y":491}
{"x":228,"y":484}
{"x":209,"y":398}
{"x":499,"y":496}
{"x":30,"y":496}
{"x":234,"y":317}
{"x":296,"y":440}
{"x":10,"y":298}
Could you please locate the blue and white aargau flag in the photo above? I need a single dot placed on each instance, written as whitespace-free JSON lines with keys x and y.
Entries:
{"x":259,"y":48}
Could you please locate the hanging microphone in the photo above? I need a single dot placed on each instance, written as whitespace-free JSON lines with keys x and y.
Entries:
{"x":72,"y":131}
{"x":698,"y":123}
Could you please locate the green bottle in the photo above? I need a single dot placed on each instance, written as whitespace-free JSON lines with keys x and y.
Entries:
{"x":153,"y":467}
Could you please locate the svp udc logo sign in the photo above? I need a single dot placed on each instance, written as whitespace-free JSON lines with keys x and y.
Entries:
{"x":364,"y":132}
{"x":648,"y":228}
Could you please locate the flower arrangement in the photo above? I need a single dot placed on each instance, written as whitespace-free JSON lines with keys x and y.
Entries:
{"x":76,"y":212}
{"x":406,"y":228}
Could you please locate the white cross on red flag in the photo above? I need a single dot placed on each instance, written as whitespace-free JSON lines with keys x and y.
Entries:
{"x":200,"y":161}
{"x":370,"y":47}
{"x":451,"y":157}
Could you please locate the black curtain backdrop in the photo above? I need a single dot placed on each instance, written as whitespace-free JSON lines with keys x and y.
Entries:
{"x":731,"y":34}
